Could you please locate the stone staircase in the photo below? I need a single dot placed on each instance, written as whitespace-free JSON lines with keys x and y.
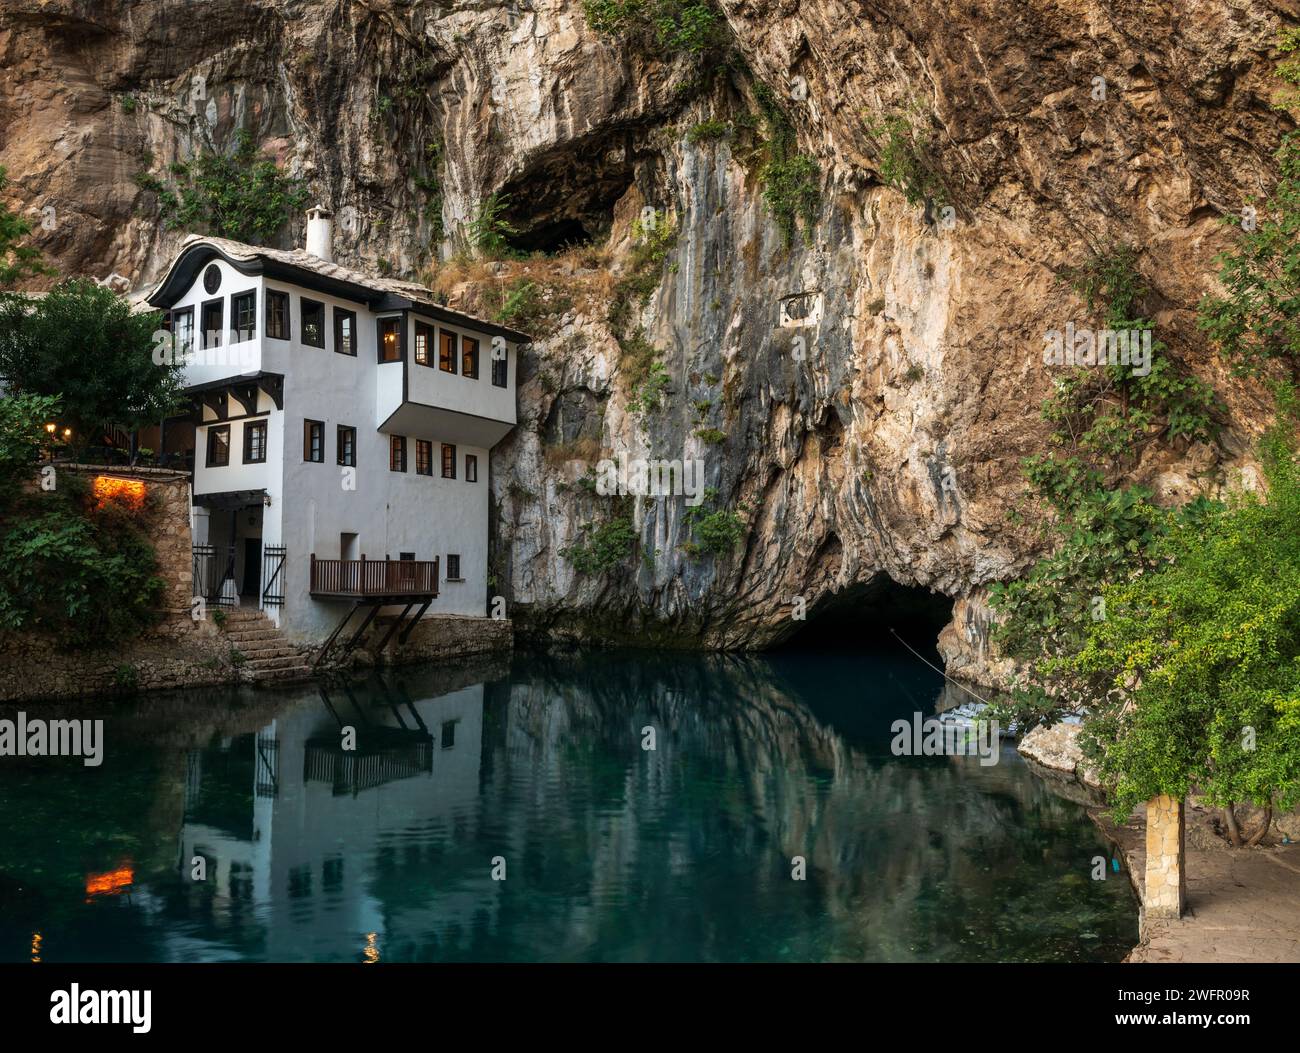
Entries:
{"x":269,"y":657}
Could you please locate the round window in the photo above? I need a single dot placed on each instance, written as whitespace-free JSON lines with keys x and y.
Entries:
{"x":212,"y":278}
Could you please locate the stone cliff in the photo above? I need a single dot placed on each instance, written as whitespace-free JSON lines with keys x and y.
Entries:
{"x":861,"y":395}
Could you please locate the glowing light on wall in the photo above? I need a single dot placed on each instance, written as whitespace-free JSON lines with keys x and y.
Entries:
{"x":371,"y":951}
{"x":111,"y":883}
{"x":128,"y":492}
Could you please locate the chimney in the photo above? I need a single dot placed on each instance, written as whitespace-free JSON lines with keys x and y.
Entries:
{"x":320,"y":233}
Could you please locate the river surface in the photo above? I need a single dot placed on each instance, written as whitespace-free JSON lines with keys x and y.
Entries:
{"x":510,"y":810}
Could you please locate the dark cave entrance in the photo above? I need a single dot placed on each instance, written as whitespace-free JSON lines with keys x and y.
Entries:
{"x":566,"y":196}
{"x":552,"y":237}
{"x":865,"y":616}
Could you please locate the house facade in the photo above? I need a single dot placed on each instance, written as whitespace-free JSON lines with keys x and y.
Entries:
{"x":343,"y":425}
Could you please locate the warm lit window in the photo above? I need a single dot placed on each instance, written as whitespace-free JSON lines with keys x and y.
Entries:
{"x":218,"y":446}
{"x":446,"y":351}
{"x":500,"y":365}
{"x":345,"y":332}
{"x":212,"y":322}
{"x":423,"y":457}
{"x":453,"y":568}
{"x":277,"y":314}
{"x":448,"y":461}
{"x":469,"y":357}
{"x":347,"y":445}
{"x":397,"y":453}
{"x":254,"y":441}
{"x":313,"y":323}
{"x":471,"y":468}
{"x":243,"y":315}
{"x":313,"y":441}
{"x":390,"y":339}
{"x":423,"y":343}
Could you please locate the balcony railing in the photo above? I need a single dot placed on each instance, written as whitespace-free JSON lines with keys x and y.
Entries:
{"x":374,"y":577}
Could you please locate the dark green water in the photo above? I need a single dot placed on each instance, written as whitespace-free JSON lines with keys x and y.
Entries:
{"x":611,"y":852}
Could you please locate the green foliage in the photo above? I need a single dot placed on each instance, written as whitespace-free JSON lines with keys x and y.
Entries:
{"x":647,"y":395}
{"x":708,"y":131}
{"x":489,"y":228}
{"x":244,"y":196}
{"x":431,"y":186}
{"x":1289,"y":71}
{"x":22,"y":435}
{"x":713,"y":530}
{"x":791,"y":181}
{"x":792,"y":190}
{"x":677,"y":26}
{"x":712,"y":436}
{"x":533,"y":306}
{"x":82,"y":344}
{"x":1194,"y":672}
{"x":17,"y":259}
{"x":653,"y":239}
{"x":603,"y":548}
{"x":1102,"y":419}
{"x":905,"y":161}
{"x":84,"y":573}
{"x":1258,"y":318}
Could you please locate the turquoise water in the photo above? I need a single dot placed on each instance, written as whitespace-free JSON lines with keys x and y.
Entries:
{"x":533,"y":770}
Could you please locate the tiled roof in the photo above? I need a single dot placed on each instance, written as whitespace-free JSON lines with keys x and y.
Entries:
{"x":303,"y":260}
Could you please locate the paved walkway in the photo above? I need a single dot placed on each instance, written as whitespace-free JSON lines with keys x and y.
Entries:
{"x":1243,"y":904}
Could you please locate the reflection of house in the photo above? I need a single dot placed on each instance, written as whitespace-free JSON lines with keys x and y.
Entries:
{"x":344,"y":423}
{"x":296,"y":831}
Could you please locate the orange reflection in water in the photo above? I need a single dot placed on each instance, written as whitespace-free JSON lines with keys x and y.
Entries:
{"x":111,"y":883}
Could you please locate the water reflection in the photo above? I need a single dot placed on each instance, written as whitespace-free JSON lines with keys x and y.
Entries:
{"x":536,"y":771}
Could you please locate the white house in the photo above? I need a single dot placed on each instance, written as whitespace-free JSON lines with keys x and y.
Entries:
{"x":343,"y":426}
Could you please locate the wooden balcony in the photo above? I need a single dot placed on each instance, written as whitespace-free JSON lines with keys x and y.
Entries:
{"x":393,"y":580}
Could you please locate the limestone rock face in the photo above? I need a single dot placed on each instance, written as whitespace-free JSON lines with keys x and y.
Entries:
{"x":876,"y":435}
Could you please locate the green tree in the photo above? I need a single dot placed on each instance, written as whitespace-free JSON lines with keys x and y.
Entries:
{"x":1258,"y":316}
{"x":82,"y":570}
{"x":243,"y":196}
{"x":1193,"y":674}
{"x":82,"y":344}
{"x":17,"y":260}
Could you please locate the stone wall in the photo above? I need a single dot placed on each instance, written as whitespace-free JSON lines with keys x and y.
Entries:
{"x":439,"y":637}
{"x":178,"y":651}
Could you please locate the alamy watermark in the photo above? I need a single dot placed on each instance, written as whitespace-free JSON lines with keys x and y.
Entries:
{"x":638,"y":477}
{"x":1098,"y":347}
{"x":53,"y":738}
{"x":932,"y":737}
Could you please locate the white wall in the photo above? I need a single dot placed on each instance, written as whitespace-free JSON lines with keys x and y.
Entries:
{"x":312,"y":504}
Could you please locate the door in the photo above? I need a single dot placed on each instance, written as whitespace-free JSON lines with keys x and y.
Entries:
{"x":252,"y":567}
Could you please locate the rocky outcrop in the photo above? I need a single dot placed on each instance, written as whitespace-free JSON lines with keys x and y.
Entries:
{"x":874,"y":436}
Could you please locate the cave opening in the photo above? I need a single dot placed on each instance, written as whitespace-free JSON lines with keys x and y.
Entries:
{"x":551,"y":237}
{"x":867,"y":615}
{"x":567,"y":195}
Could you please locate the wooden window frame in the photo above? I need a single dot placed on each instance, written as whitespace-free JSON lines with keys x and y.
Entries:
{"x":379,"y":339}
{"x":340,"y":431}
{"x":341,"y":313}
{"x":425,"y":447}
{"x":396,"y":452}
{"x":278,"y":296}
{"x":471,"y":468}
{"x":303,"y":303}
{"x":250,"y":426}
{"x":447,"y":360}
{"x":235,"y":300}
{"x":213,"y":431}
{"x":307,"y":457}
{"x":448,"y":460}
